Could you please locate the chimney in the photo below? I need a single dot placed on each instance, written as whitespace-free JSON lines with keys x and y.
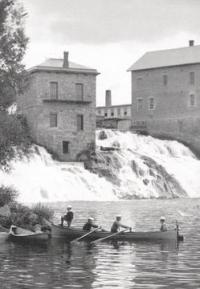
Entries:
{"x":108,"y":98}
{"x":66,"y":59}
{"x":191,"y":42}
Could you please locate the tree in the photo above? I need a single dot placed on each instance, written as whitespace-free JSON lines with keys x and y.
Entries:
{"x":13,"y":43}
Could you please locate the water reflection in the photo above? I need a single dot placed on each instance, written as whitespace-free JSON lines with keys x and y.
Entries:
{"x":115,"y":267}
{"x":111,"y":265}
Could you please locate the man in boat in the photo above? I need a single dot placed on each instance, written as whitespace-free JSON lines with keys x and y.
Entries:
{"x":117,"y":225}
{"x":163,"y":226}
{"x":90,"y":224}
{"x":68,"y":217}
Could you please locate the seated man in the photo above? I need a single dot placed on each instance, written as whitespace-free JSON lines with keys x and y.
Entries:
{"x":90,"y":224}
{"x":68,"y":217}
{"x":117,"y":225}
{"x":163,"y":226}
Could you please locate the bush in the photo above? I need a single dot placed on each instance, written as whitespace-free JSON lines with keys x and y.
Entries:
{"x":14,"y":132}
{"x":23,"y":216}
{"x":7,"y":195}
{"x":43,"y":211}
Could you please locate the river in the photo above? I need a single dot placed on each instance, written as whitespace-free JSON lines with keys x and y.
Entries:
{"x":61,"y":265}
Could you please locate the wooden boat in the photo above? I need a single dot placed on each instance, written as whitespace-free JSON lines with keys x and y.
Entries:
{"x":3,"y":237}
{"x":3,"y":234}
{"x":72,"y":233}
{"x":17,"y":234}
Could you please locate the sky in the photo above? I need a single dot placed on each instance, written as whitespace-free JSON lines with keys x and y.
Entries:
{"x":109,"y":35}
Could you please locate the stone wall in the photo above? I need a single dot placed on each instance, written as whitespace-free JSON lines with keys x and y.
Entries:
{"x":185,"y":130}
{"x":37,"y":112}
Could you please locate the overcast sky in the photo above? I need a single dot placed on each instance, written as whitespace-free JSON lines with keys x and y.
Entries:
{"x":109,"y":35}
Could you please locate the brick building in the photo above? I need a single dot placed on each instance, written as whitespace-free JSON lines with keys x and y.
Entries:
{"x":166,"y":93}
{"x":59,"y":104}
{"x":113,"y":116}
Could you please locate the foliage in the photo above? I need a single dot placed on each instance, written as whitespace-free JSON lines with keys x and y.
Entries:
{"x":14,"y":132}
{"x":43,"y":211}
{"x":7,"y":195}
{"x":26,"y":217}
{"x":13,"y":43}
{"x":22,"y":216}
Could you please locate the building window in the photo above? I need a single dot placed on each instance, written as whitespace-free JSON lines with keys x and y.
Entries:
{"x":165,"y":80}
{"x":192,"y":100}
{"x":112,"y":113}
{"x":53,"y":117}
{"x":80,"y":122}
{"x":119,"y":111}
{"x":54,"y":90}
{"x":151,"y":103}
{"x":106,"y":114}
{"x":65,"y":147}
{"x":139,"y":82}
{"x":125,"y":112}
{"x":192,"y":78}
{"x":139,"y":104}
{"x":79,"y":91}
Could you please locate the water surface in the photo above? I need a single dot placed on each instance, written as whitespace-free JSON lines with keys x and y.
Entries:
{"x":121,"y":265}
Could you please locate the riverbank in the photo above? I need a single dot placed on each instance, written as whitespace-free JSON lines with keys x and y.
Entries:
{"x":14,"y":213}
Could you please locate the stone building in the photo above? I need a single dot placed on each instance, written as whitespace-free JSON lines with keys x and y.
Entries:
{"x":166,"y":94}
{"x":113,"y":116}
{"x":59,"y":104}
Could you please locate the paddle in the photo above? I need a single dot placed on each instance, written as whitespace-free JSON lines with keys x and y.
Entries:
{"x":80,"y":238}
{"x":107,"y":237}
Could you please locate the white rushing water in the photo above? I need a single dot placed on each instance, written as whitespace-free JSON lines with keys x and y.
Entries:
{"x":148,"y":167}
{"x":129,"y":166}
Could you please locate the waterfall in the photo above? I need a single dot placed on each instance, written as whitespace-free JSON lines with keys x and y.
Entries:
{"x":126,"y":166}
{"x":146,"y":167}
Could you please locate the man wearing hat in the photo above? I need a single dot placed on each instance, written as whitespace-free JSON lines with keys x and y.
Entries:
{"x":68,"y":217}
{"x":117,"y":225}
{"x":163,"y":226}
{"x":90,"y":224}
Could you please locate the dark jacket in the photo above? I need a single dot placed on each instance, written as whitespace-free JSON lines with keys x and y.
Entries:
{"x":69,"y":216}
{"x":163,"y":227}
{"x":116,"y":226}
{"x":88,"y":226}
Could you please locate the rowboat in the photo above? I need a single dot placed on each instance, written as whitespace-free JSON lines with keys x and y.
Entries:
{"x":72,"y":233}
{"x":17,"y":234}
{"x":3,"y":234}
{"x":3,"y":237}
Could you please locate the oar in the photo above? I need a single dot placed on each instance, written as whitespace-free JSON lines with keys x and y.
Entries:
{"x":107,"y":237}
{"x":80,"y":238}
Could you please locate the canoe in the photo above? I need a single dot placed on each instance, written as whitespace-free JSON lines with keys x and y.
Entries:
{"x":72,"y":233}
{"x":3,"y":234}
{"x":26,"y":236}
{"x":3,"y":237}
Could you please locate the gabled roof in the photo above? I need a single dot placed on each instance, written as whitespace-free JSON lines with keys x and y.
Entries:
{"x":55,"y":64}
{"x":166,"y":58}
